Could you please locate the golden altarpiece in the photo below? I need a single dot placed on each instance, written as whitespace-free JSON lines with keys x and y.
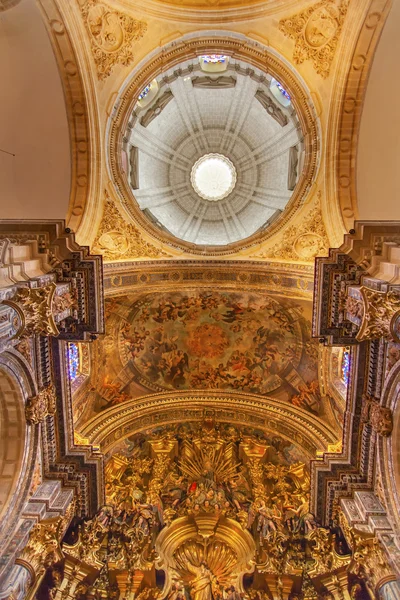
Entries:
{"x":198,"y":377}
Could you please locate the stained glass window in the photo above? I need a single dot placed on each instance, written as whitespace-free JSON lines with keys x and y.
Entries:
{"x":346,"y":366}
{"x":144,"y":92}
{"x":282,"y":90}
{"x":214,"y":59}
{"x":73,"y":361}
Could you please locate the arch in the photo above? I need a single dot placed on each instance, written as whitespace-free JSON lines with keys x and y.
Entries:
{"x":271,"y":415}
{"x":13,"y":437}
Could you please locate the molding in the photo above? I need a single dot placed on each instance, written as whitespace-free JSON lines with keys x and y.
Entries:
{"x":294,"y":281}
{"x":296,"y":424}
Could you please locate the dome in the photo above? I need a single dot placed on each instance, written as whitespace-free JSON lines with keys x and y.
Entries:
{"x":214,"y":149}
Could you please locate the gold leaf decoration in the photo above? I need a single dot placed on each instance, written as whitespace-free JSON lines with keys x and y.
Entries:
{"x":111,"y":35}
{"x":116,"y":239}
{"x":302,"y":242}
{"x":316,"y":33}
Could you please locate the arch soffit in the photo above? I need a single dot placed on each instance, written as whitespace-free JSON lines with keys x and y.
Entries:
{"x":270,"y":415}
{"x":189,"y":47}
{"x":193,"y":11}
{"x":14,"y":438}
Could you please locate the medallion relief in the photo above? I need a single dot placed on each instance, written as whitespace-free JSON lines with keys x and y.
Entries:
{"x":303,"y":242}
{"x":118,"y":240}
{"x":111,"y":35}
{"x":316,"y":33}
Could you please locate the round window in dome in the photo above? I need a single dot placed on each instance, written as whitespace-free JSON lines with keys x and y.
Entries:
{"x":213,"y":177}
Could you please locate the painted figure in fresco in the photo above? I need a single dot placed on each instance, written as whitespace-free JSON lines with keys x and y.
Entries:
{"x":202,"y":584}
{"x":209,"y":340}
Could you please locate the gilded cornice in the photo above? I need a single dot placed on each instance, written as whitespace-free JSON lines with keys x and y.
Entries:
{"x":296,"y":424}
{"x":283,"y":279}
{"x":237,"y":47}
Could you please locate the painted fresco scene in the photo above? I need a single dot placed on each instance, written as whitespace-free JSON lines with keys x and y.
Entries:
{"x":206,"y":340}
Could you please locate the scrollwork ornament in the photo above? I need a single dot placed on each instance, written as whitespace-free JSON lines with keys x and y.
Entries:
{"x":381,"y":315}
{"x":34,"y":307}
{"x":116,"y":239}
{"x":111,"y":35}
{"x":302,"y":242}
{"x":43,"y":547}
{"x":316,"y":33}
{"x":379,"y":417}
{"x":38,"y":407}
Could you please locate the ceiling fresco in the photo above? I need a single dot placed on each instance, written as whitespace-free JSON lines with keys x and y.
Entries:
{"x":205,"y":340}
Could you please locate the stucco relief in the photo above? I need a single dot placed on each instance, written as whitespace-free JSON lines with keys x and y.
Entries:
{"x":302,"y":242}
{"x":118,"y":240}
{"x":316,"y":33}
{"x":111,"y":35}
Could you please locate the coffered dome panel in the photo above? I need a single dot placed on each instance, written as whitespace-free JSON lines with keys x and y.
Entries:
{"x":196,"y":114}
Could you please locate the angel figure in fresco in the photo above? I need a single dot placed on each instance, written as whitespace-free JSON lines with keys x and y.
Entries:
{"x":308,"y":397}
{"x":202,"y":584}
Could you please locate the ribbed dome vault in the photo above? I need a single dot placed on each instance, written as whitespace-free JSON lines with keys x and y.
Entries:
{"x":224,"y":130}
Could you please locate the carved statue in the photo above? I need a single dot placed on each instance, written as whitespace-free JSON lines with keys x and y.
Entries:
{"x":202,"y":584}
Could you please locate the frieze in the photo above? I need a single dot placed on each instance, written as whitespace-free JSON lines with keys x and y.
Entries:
{"x":283,"y":279}
{"x":315,"y":431}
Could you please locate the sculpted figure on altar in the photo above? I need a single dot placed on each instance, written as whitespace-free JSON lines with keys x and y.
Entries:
{"x":201,"y":586}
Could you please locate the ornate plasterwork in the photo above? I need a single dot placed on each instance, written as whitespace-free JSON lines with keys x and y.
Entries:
{"x":285,"y":279}
{"x":293,"y":423}
{"x":111,"y":35}
{"x":316,"y":33}
{"x":116,"y":239}
{"x":304,"y":241}
{"x":38,"y":407}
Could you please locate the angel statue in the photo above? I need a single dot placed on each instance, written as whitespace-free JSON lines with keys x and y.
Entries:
{"x":202,"y":584}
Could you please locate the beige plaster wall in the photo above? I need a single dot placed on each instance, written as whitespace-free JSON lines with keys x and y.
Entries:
{"x":378,"y":161}
{"x":33,"y":122}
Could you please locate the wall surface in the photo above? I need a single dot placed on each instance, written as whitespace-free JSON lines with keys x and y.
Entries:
{"x":35,"y":183}
{"x":378,"y":162}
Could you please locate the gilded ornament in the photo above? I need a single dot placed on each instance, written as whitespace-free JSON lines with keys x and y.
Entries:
{"x":379,"y":417}
{"x":38,"y":407}
{"x":43,"y":547}
{"x":381,"y":315}
{"x":116,"y":239}
{"x":303,"y":242}
{"x":34,"y":307}
{"x":316,"y":33}
{"x":111,"y":35}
